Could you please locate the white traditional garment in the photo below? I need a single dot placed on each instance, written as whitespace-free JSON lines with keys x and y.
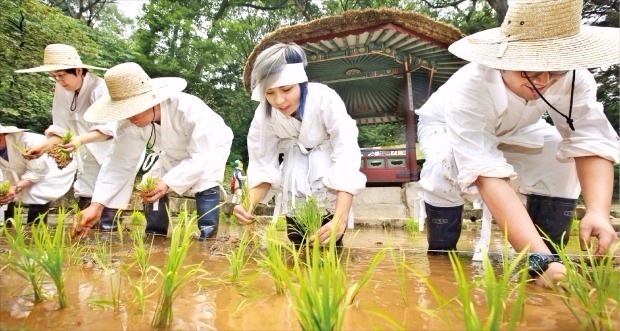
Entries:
{"x":90,"y":156}
{"x":49,"y":182}
{"x":321,"y":153}
{"x":474,"y":126}
{"x":193,"y":142}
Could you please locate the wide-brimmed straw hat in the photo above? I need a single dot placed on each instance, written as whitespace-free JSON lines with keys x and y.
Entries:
{"x":130,"y":92}
{"x":59,"y":57}
{"x":542,"y":35}
{"x":10,"y":129}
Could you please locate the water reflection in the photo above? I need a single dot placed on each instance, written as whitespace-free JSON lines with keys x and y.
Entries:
{"x":209,"y":302}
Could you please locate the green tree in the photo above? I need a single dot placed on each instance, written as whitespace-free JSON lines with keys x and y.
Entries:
{"x":26,"y":27}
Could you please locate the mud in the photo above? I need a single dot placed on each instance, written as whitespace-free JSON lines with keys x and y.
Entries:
{"x":208,"y":301}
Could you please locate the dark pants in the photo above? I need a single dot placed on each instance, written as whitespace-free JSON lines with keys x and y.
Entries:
{"x":297,"y":234}
{"x":36,"y":213}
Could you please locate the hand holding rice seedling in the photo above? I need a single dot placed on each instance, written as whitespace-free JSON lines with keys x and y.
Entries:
{"x":4,"y":188}
{"x":148,"y":184}
{"x":62,"y":157}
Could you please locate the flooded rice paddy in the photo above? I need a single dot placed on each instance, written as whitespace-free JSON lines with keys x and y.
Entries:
{"x":208,"y":300}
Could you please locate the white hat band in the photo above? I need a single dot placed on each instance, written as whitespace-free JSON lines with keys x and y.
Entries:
{"x":293,"y":73}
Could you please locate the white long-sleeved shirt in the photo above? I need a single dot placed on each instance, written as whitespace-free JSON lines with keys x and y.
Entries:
{"x":49,"y":182}
{"x":193,"y":142}
{"x":64,"y":119}
{"x":320,"y":152}
{"x":479,"y":113}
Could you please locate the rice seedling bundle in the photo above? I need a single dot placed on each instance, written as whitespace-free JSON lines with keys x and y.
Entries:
{"x":148,"y":184}
{"x":61,"y":157}
{"x":4,"y":188}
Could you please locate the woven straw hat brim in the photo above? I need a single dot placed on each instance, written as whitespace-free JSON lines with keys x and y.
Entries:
{"x":106,"y":110}
{"x":593,"y":47}
{"x":11,"y":129}
{"x":55,"y":67}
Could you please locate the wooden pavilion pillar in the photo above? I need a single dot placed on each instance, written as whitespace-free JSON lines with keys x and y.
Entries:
{"x":410,"y":127}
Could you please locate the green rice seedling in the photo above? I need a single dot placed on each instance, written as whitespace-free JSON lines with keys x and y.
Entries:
{"x":412,"y":227}
{"x":274,"y":258}
{"x":309,"y":216}
{"x":50,"y":253}
{"x":103,"y":256}
{"x":142,"y":259}
{"x":591,"y":292}
{"x":238,"y":258}
{"x":20,"y":148}
{"x":320,"y":294}
{"x":172,"y":278}
{"x":4,"y":188}
{"x":148,"y":184}
{"x":400,"y":265}
{"x":281,"y":223}
{"x":505,"y":298}
{"x":61,"y":157}
{"x":20,"y":259}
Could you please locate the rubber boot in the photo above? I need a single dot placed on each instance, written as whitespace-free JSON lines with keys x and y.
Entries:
{"x":9,"y":214}
{"x":443,"y":228}
{"x":552,"y":217}
{"x":38,"y":213}
{"x":109,"y":221}
{"x":83,"y":202}
{"x":157,"y":220}
{"x":208,"y":213}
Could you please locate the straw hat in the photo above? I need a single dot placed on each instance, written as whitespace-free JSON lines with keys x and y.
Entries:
{"x":10,"y":129}
{"x":542,"y":35}
{"x":131,"y":91}
{"x":59,"y":57}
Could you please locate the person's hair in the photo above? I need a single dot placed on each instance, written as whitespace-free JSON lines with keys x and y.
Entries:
{"x":73,"y":71}
{"x":271,"y":61}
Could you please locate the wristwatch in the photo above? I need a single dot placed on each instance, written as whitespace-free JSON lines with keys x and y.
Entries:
{"x":539,"y":263}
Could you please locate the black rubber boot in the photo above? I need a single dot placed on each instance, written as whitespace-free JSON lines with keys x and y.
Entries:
{"x":38,"y":213}
{"x":9,"y":214}
{"x":157,"y":220}
{"x":208,"y":211}
{"x":109,"y":221}
{"x":83,"y":203}
{"x":552,"y":217}
{"x":443,"y":228}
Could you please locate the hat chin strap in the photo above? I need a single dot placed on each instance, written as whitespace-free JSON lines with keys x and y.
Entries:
{"x":568,"y":118}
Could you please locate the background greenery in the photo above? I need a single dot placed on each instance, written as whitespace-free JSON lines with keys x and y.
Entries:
{"x":207,"y":42}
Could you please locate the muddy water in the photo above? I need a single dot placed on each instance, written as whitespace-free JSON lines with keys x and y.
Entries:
{"x":208,"y":301}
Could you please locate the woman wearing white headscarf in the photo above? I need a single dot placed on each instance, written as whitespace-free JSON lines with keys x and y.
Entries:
{"x":34,"y":183}
{"x":77,"y":89}
{"x":483,"y":133}
{"x":309,"y":124}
